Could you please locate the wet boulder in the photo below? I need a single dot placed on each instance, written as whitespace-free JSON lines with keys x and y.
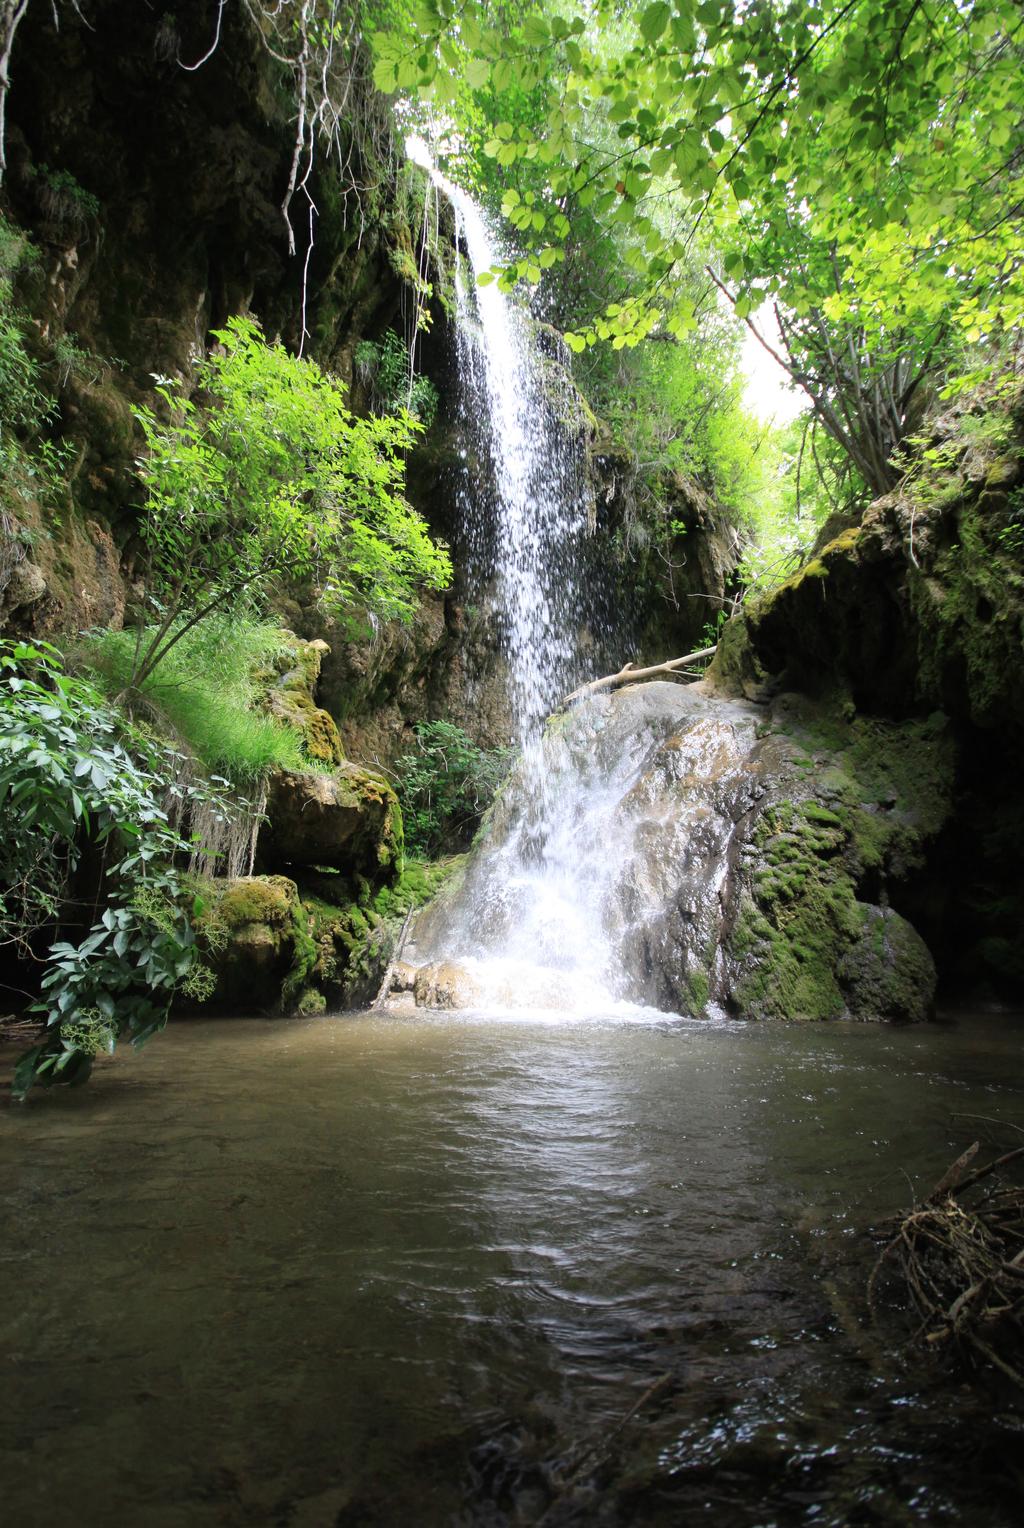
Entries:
{"x":443,"y":984}
{"x":347,"y":820}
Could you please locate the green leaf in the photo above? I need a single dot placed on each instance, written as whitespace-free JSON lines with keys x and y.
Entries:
{"x":654,"y":20}
{"x":408,"y":73}
{"x":477,"y":72}
{"x":385,"y":76}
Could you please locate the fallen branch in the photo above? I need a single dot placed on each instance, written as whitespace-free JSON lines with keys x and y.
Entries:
{"x":396,"y":955}
{"x":951,"y":1177}
{"x":630,"y":675}
{"x":957,"y":1261}
{"x":595,"y":1452}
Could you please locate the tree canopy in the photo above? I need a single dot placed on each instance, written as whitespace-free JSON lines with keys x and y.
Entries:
{"x":857,"y":164}
{"x":267,"y":476}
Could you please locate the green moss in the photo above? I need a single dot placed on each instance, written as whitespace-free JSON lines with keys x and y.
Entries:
{"x":391,"y":848}
{"x":320,"y":738}
{"x":699,"y":990}
{"x":971,"y":611}
{"x":264,"y":899}
{"x":311,"y":1002}
{"x":889,"y":967}
{"x":420,"y":880}
{"x":343,"y":945}
{"x":803,"y":914}
{"x":883,"y":790}
{"x":820,"y":814}
{"x":736,"y":666}
{"x":305,"y":955}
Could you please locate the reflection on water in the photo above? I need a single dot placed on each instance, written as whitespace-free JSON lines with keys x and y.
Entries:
{"x":380,"y":1270}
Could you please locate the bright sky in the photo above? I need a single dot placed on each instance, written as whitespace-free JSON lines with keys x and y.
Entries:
{"x":768,"y":392}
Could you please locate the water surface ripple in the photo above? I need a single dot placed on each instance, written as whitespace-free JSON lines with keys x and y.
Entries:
{"x":378,"y":1270}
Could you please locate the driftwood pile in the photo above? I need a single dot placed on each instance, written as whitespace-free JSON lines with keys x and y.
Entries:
{"x":957,"y":1263}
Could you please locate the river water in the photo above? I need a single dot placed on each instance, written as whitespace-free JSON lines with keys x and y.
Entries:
{"x":379,"y":1270}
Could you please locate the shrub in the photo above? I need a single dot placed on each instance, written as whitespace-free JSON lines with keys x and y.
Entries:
{"x":61,"y":197}
{"x":71,"y":793}
{"x":30,"y":465}
{"x":202,"y":692}
{"x":386,"y":367}
{"x":445,"y":784}
{"x":271,"y":480}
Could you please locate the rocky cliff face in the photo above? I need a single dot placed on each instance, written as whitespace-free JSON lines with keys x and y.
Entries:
{"x":152,"y":193}
{"x":733,"y":857}
{"x":664,"y":594}
{"x":914,"y":617}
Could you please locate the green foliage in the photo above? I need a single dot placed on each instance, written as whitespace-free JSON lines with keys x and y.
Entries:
{"x":445,"y":785}
{"x":22,"y":402}
{"x":72,"y":793}
{"x":72,"y":360}
{"x":678,"y":408}
{"x":855,"y":164}
{"x":385,"y":365}
{"x":274,"y":479}
{"x":30,"y":465}
{"x":203,"y":693}
{"x":61,"y":198}
{"x":809,"y":479}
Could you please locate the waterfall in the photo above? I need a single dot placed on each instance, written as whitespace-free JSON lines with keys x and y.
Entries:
{"x":525,"y":497}
{"x":560,"y":902}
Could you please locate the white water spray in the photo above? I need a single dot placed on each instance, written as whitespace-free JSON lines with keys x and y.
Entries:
{"x":548,"y":901}
{"x":530,"y":517}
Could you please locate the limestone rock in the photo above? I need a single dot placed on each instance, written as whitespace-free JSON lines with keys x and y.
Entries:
{"x":726,"y":867}
{"x":403,"y":977}
{"x":446,"y":985}
{"x":26,"y":586}
{"x":348,"y":820}
{"x":290,"y":687}
{"x":889,"y":972}
{"x":250,"y":931}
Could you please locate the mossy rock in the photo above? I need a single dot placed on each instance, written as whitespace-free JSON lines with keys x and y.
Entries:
{"x":348,"y":820}
{"x":736,"y":667}
{"x":354,"y":940}
{"x":316,"y":727}
{"x":888,"y":972}
{"x":259,"y":939}
{"x":803,"y":942}
{"x":311,"y":1002}
{"x":248,"y":927}
{"x":257,"y":899}
{"x":288,"y":683}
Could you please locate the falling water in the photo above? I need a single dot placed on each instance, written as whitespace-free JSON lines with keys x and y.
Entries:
{"x":524,"y":511}
{"x":549,"y":898}
{"x":525,"y":496}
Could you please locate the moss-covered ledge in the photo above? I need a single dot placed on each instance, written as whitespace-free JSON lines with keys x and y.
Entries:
{"x":813,"y":930}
